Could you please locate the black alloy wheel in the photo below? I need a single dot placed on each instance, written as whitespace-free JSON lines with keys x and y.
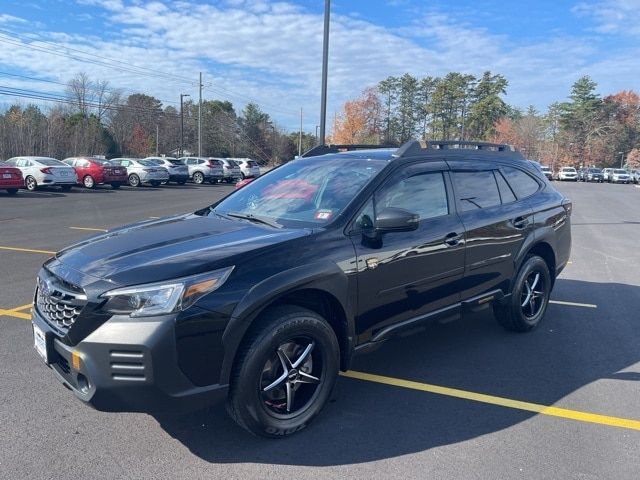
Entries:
{"x":284,"y":372}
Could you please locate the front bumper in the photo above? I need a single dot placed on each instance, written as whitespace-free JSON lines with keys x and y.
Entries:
{"x":128,"y":366}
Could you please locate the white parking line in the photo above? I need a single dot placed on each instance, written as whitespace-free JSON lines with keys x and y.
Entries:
{"x":89,"y":229}
{"x":574,"y":304}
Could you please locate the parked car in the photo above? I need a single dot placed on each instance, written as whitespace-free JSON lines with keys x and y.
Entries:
{"x":178,"y":171}
{"x":44,"y":172}
{"x":203,"y":169}
{"x":546,"y":170}
{"x":10,"y":178}
{"x":243,"y":182}
{"x":262,"y":297}
{"x":568,"y":174}
{"x":92,"y":171}
{"x":141,"y":171}
{"x":635,"y":176}
{"x":248,"y":168}
{"x":606,"y":174}
{"x":619,"y":175}
{"x":231,"y":170}
{"x":594,"y":175}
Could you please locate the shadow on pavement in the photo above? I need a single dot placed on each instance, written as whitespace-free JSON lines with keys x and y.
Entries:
{"x":364,"y":422}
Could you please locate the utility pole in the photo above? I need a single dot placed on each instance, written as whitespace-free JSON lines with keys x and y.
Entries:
{"x":200,"y":117}
{"x":325,"y":64}
{"x":182,"y":95}
{"x":621,"y":158}
{"x":157,"y":139}
{"x":300,"y":137}
{"x":317,"y":134}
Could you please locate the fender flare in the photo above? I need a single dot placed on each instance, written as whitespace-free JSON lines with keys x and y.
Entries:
{"x":324,"y":276}
{"x":543,"y":235}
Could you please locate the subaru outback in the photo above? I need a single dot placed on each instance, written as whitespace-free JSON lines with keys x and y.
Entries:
{"x":263,"y":297}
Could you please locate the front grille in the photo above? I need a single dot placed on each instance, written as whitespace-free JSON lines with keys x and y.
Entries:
{"x":59,"y":302}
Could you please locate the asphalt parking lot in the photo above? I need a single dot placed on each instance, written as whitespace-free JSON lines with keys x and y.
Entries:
{"x":460,"y":400}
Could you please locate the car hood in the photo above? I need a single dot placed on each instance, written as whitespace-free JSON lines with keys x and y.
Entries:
{"x":169,"y":248}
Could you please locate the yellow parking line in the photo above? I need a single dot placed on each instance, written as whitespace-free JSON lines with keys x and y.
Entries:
{"x":27,"y":250}
{"x":22,"y":307}
{"x":574,"y":304}
{"x":89,"y":229}
{"x":15,"y":313}
{"x":500,"y":401}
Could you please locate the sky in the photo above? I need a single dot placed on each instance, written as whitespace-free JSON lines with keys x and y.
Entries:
{"x":270,"y":52}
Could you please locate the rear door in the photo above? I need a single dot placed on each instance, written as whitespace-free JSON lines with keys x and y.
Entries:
{"x":406,"y":275}
{"x":496,"y":224}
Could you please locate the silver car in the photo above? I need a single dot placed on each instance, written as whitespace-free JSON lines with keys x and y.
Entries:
{"x":232,"y":172}
{"x":178,"y":171}
{"x":44,"y":171}
{"x":142,"y":171}
{"x":203,"y":169}
{"x":619,"y":175}
{"x":248,"y":168}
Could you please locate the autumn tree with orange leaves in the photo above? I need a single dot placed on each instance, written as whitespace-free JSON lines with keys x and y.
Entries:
{"x":359,"y":120}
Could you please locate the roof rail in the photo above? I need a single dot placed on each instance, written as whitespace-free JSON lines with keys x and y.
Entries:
{"x":414,"y":147}
{"x":324,"y":149}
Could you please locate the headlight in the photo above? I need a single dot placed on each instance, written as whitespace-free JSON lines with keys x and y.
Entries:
{"x":163,"y":297}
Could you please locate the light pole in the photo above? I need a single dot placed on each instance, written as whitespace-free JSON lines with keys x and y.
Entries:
{"x":182,"y":95}
{"x":621,"y":158}
{"x":317,"y":134}
{"x":325,"y":64}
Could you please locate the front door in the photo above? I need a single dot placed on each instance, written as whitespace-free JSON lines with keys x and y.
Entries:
{"x":403,"y":275}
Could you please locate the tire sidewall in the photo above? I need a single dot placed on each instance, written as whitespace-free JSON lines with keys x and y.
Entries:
{"x":198,"y":178}
{"x":251,"y":409}
{"x":89,"y":179}
{"x":136,"y":182}
{"x":30,"y":183}
{"x":533,"y":263}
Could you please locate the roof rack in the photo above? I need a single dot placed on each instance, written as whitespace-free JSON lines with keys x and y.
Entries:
{"x":324,"y":149}
{"x":414,"y":147}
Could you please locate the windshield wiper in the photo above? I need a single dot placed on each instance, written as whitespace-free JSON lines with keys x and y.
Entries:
{"x":253,"y":218}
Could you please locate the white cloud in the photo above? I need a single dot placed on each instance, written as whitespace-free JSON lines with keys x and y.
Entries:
{"x":612,"y":16}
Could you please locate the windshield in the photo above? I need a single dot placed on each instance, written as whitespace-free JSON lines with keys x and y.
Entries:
{"x":101,"y":161}
{"x":595,"y":170}
{"x":569,"y":169}
{"x":303,"y":192}
{"x":51,"y":162}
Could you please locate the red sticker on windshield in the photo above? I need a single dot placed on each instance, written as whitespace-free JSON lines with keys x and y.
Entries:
{"x":323,"y":214}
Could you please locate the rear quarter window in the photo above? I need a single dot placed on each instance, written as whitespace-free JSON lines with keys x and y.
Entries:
{"x":522,"y":184}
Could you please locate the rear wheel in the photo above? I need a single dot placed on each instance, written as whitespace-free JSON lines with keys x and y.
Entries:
{"x":88,"y":181}
{"x":284,"y":372}
{"x":529,"y":297}
{"x":134,"y":180}
{"x":30,"y":183}
{"x":12,"y":191}
{"x":198,"y":178}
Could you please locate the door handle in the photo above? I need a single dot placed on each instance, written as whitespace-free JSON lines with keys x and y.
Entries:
{"x":453,"y":239}
{"x":520,"y":222}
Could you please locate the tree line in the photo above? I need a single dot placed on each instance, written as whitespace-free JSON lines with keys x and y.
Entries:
{"x":584,"y":130}
{"x":94,"y":119}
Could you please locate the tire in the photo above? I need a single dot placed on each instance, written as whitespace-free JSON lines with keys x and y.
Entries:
{"x":12,"y":191}
{"x":517,"y":315}
{"x":66,"y":188}
{"x":30,"y":183}
{"x":198,"y":178}
{"x":134,"y":180}
{"x":88,"y":182}
{"x":261,"y":405}
{"x":116,"y":185}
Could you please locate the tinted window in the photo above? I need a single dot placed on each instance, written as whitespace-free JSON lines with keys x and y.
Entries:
{"x":476,"y":190}
{"x":424,"y":194}
{"x":521,"y":183}
{"x":50,"y":162}
{"x":177,"y":162}
{"x":506,"y":194}
{"x":231,"y":163}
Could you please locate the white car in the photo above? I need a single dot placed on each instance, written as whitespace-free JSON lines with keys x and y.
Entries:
{"x":142,"y":171}
{"x":568,"y":174}
{"x":44,"y":171}
{"x":606,"y":173}
{"x":231,"y":170}
{"x":248,"y":168}
{"x":619,"y":175}
{"x":203,"y":169}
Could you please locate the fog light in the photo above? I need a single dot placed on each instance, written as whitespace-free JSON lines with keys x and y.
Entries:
{"x":75,"y":360}
{"x":83,"y":383}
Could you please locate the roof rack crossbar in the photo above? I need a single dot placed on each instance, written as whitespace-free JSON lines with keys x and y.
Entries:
{"x":337,"y":148}
{"x":414,"y":147}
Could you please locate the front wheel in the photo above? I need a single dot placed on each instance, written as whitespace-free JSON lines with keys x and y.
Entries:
{"x":284,"y":372}
{"x":529,"y":297}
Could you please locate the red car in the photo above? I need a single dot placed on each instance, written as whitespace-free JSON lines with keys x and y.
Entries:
{"x":10,"y":179}
{"x":92,"y":171}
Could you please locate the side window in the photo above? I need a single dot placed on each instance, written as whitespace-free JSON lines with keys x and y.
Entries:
{"x":475,"y":190}
{"x":424,"y":194}
{"x":506,"y":194}
{"x":200,"y":162}
{"x":521,"y":183}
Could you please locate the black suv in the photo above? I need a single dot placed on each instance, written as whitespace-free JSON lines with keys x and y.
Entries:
{"x":262,"y":297}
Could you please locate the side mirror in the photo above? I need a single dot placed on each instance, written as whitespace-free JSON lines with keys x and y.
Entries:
{"x":396,"y":220}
